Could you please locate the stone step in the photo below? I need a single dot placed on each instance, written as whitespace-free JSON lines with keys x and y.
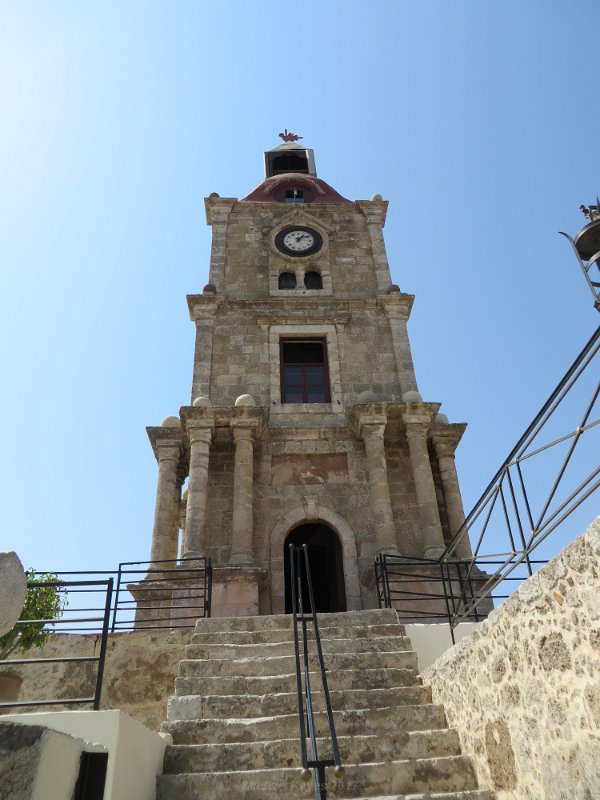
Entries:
{"x":191,"y":683}
{"x":451,"y":773}
{"x":381,"y":616}
{"x":193,"y":706}
{"x":286,"y":726}
{"x":259,"y":636}
{"x":472,"y":794}
{"x":282,"y":665}
{"x":266,"y":648}
{"x":286,"y":752}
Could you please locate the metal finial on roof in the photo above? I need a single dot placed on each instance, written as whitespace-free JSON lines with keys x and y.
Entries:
{"x":288,"y":136}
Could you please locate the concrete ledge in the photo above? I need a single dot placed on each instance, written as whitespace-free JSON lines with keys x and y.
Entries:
{"x":135,"y":753}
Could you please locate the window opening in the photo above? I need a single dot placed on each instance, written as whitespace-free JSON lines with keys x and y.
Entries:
{"x":289,"y":162}
{"x":294,"y":196}
{"x":287,"y":280}
{"x":304,"y":373}
{"x":313,"y":280}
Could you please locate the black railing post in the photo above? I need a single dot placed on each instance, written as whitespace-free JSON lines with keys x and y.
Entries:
{"x":116,"y":605}
{"x":103,"y":643}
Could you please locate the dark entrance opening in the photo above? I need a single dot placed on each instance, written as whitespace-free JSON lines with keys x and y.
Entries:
{"x":326,"y":567}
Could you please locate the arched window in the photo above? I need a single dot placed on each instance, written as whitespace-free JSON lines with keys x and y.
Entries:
{"x":287,"y":280}
{"x":313,"y":280}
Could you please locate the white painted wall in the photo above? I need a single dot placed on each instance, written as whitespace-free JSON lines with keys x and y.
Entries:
{"x":135,"y":753}
{"x":430,"y":641}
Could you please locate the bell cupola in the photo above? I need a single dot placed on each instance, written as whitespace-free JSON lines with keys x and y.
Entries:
{"x":290,"y":157}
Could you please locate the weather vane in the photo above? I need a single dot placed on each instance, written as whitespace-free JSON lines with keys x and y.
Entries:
{"x":288,"y":136}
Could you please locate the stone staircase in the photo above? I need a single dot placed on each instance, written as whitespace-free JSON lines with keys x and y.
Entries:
{"x":234,"y":719}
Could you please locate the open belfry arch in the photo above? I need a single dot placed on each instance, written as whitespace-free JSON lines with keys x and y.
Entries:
{"x":305,"y":408}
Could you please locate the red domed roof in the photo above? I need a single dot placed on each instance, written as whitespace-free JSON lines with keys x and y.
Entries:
{"x":320,"y":191}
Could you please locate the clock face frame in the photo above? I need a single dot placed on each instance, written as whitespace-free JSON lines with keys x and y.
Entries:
{"x":298,"y":240}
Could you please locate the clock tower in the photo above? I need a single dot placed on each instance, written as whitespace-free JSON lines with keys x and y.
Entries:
{"x":305,"y":422}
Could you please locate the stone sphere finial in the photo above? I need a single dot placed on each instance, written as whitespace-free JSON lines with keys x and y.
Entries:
{"x":201,"y":402}
{"x":210,"y":288}
{"x":171,"y":422}
{"x":393,"y":288}
{"x":440,"y":419}
{"x":245,"y":401}
{"x":376,"y":197}
{"x":412,"y":397}
{"x":214,"y":194}
{"x":368,"y":396}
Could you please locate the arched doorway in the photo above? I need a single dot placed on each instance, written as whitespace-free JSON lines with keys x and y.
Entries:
{"x":326,"y":566}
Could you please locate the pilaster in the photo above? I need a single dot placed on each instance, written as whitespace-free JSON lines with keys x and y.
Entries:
{"x":375,"y":212}
{"x":242,"y":534}
{"x":217,"y":215}
{"x":416,"y":427}
{"x":445,"y":440}
{"x":372,"y":430}
{"x":397,"y":308}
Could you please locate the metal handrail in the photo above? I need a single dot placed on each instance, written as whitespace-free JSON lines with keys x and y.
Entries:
{"x":305,"y":700}
{"x":158,"y":573}
{"x":99,"y":660}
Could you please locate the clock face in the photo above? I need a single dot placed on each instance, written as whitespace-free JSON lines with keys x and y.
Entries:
{"x":298,"y":241}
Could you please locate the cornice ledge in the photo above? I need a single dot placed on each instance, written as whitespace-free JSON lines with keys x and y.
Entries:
{"x":396,"y":303}
{"x":203,"y":305}
{"x":218,"y":208}
{"x":374,"y":210}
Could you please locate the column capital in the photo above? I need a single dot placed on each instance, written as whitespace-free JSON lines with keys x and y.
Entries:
{"x":446,"y":437}
{"x":372,"y":425}
{"x":164,"y":439}
{"x":200,"y":430}
{"x":168,"y":450}
{"x":243,"y":429}
{"x":416,"y":424}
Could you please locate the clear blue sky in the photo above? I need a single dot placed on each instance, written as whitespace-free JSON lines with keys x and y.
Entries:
{"x":478,"y":121}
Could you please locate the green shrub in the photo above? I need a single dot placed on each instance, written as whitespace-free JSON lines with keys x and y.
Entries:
{"x":41,"y":602}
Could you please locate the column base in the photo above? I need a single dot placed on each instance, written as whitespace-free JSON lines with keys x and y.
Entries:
{"x":236,"y":591}
{"x":242,"y":560}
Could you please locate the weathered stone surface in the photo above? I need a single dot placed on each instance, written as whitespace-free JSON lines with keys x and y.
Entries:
{"x":523,"y":690}
{"x":13,"y":587}
{"x":234,"y":720}
{"x":369,"y":486}
{"x":37,"y":763}
{"x":139,"y":675}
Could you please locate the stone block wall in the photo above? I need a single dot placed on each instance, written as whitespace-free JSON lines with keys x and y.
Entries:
{"x":524,"y":689}
{"x":139,"y":675}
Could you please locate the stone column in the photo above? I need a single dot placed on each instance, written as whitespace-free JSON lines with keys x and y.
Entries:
{"x":243,"y":489}
{"x":444,"y":449}
{"x":372,"y":431}
{"x":416,"y":428}
{"x":200,"y":436}
{"x":397,"y":309}
{"x":168,"y":454}
{"x":174,"y":539}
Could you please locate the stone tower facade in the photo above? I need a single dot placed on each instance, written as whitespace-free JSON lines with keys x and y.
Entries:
{"x":305,"y":423}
